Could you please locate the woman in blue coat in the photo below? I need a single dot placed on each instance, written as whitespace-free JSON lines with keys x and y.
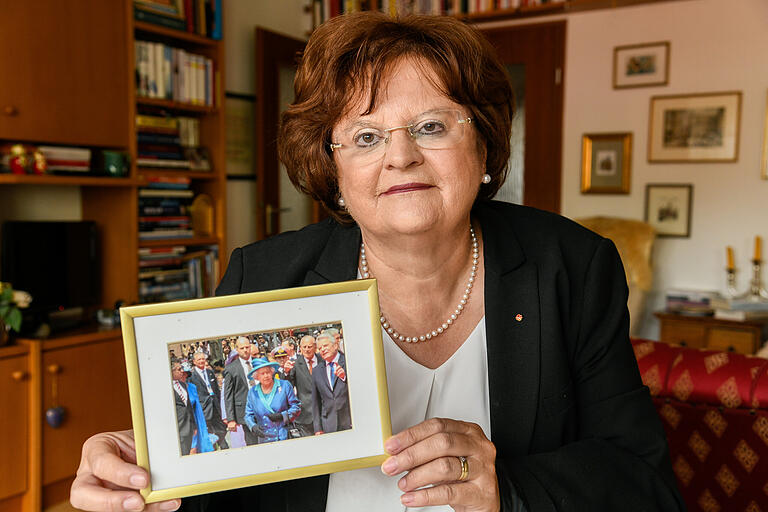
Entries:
{"x":271,"y":405}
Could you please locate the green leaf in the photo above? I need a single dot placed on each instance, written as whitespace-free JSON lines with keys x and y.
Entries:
{"x":7,"y":294}
{"x":4,"y":309}
{"x":14,"y":320}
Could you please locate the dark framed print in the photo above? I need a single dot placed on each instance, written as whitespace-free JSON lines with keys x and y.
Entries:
{"x":668,"y":208}
{"x":641,"y":65}
{"x":214,"y":405}
{"x":694,"y":127}
{"x":606,"y":160}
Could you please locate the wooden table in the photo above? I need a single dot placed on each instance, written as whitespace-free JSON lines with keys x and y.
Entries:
{"x":707,"y":332}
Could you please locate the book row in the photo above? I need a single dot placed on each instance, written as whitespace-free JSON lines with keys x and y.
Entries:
{"x":201,"y":17}
{"x":173,"y":74}
{"x":326,"y":9}
{"x":176,"y":273}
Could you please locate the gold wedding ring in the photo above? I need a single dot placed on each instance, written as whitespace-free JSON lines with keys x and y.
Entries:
{"x":464,"y":468}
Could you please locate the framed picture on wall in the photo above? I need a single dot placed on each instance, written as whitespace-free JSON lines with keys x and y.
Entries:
{"x":606,"y":160}
{"x":641,"y":65}
{"x":668,"y":208}
{"x":694,"y":127}
{"x":191,"y":363}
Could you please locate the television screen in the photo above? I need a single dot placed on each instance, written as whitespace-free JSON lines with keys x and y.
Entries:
{"x":58,"y":263}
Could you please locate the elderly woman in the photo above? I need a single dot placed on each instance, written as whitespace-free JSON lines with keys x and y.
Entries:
{"x":271,"y":403}
{"x":511,"y":378}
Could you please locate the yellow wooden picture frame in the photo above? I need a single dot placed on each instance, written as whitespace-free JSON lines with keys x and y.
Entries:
{"x":372,"y":361}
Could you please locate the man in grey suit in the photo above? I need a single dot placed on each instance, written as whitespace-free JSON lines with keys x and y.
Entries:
{"x":330,"y":396}
{"x":210,"y":396}
{"x":300,"y":375}
{"x":236,"y":389}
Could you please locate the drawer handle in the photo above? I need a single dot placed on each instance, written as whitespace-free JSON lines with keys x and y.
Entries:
{"x":10,"y":110}
{"x":19,"y":375}
{"x":54,"y":369}
{"x":731,"y":348}
{"x":683,"y":343}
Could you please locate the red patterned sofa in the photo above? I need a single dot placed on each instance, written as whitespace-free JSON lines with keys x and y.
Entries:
{"x":714,"y":408}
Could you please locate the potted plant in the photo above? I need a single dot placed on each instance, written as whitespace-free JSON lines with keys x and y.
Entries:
{"x":11,"y":302}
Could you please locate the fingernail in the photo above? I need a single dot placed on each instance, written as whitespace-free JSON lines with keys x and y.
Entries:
{"x":390,"y":466}
{"x":133,"y":503}
{"x":392,"y":445}
{"x":407,"y":499}
{"x":170,"y":505}
{"x":401,"y":483}
{"x":139,"y":480}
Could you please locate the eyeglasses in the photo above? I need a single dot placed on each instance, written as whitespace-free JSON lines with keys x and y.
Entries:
{"x":363,"y":144}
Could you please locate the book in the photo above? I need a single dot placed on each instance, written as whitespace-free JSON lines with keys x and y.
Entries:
{"x":140,"y":13}
{"x":166,"y":233}
{"x":156,"y":162}
{"x":148,"y":192}
{"x":143,"y":120}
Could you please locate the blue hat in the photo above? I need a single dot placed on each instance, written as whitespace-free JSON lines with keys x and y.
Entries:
{"x":261,"y":362}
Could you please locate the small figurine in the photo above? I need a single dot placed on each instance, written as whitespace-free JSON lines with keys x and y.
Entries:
{"x":18,"y":161}
{"x":39,"y":165}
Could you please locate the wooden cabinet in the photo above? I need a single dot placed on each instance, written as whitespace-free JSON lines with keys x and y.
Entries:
{"x":85,"y":374}
{"x":14,"y":396}
{"x":707,"y":332}
{"x":65,"y":72}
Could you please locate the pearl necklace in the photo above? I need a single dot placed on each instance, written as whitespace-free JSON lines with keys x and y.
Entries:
{"x":365,"y":273}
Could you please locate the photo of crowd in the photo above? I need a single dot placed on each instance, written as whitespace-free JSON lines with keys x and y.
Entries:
{"x":260,"y":387}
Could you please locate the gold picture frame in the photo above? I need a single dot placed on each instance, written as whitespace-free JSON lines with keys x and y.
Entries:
{"x":606,"y":162}
{"x":148,"y":332}
{"x":641,"y":65}
{"x":764,"y":163}
{"x":694,"y":128}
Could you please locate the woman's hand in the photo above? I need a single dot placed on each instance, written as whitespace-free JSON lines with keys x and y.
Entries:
{"x":108,"y":477}
{"x":430,"y":453}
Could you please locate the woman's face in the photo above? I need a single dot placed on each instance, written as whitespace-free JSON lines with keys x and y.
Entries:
{"x":265,"y":376}
{"x":409,"y":190}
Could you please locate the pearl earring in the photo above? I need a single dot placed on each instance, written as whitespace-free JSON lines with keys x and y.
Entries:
{"x":486,"y":178}
{"x":342,"y":202}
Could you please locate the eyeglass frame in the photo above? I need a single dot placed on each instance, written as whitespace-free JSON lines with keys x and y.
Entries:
{"x":407,"y":127}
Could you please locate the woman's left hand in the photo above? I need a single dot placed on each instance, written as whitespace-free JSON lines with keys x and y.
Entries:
{"x":430,"y":453}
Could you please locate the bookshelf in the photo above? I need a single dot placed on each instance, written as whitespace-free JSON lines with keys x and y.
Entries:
{"x":88,"y":46}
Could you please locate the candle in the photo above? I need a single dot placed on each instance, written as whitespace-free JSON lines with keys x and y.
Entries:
{"x":758,"y":249}
{"x":729,"y":255}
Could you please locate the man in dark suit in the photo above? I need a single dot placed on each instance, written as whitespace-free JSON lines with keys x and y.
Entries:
{"x":210,"y":397}
{"x":300,"y":375}
{"x":193,"y":434}
{"x":236,"y":389}
{"x":330,"y":396}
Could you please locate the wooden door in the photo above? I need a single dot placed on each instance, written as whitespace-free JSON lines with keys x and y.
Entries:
{"x":92,"y":386}
{"x":65,"y":72}
{"x":281,"y":207}
{"x":535,"y":58}
{"x":14,"y":394}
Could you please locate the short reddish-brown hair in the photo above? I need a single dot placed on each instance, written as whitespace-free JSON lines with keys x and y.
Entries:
{"x":351,"y":53}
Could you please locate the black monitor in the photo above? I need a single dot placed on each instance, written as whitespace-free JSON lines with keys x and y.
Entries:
{"x":58,"y":263}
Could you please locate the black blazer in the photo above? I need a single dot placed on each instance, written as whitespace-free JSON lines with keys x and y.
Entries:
{"x":235,"y":391}
{"x":302,"y":379}
{"x":573,"y":425}
{"x":211,"y":404}
{"x":331,"y":412}
{"x":185,"y":419}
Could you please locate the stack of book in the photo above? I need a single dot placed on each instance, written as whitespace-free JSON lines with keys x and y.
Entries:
{"x":173,"y":74}
{"x":325,"y":9}
{"x":741,"y":309}
{"x":691,"y":302}
{"x":201,"y":17}
{"x":170,"y":142}
{"x":164,"y":208}
{"x":66,"y":160}
{"x":174,"y":273}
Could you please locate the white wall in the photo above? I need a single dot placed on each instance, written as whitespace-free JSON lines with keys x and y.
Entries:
{"x":240,"y":20}
{"x":716,"y":45}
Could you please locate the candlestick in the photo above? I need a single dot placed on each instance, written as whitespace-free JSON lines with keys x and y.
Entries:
{"x":758,"y":248}
{"x":729,"y":257}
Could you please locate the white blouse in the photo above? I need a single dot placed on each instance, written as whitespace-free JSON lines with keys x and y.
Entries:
{"x":457,"y":389}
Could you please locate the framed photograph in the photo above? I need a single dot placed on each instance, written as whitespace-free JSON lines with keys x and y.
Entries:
{"x":606,"y":160}
{"x":695,"y":127}
{"x":668,"y":208}
{"x":641,"y":65}
{"x":213,"y":400}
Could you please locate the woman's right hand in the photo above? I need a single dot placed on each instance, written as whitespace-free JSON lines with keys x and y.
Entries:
{"x":108,"y":477}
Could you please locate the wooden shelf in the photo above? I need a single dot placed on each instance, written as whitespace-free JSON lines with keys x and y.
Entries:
{"x":176,"y":105}
{"x":144,"y":173}
{"x":166,"y":242}
{"x":148,"y":28}
{"x":52,"y":179}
